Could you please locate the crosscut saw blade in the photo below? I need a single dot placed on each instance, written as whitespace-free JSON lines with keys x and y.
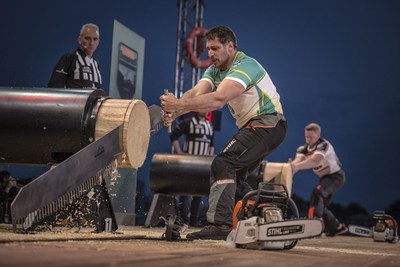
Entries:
{"x":249,"y":231}
{"x":63,"y":183}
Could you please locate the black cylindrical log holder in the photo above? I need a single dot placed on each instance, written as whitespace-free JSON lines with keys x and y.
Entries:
{"x":40,"y":126}
{"x":184,"y":174}
{"x":46,"y":125}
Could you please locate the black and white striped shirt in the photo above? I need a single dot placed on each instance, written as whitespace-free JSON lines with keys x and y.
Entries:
{"x":76,"y":70}
{"x":199,"y":135}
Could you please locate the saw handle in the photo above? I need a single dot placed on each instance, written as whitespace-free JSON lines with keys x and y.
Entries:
{"x":169,"y":126}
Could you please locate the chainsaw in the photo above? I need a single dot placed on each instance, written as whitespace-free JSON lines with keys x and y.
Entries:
{"x":269,"y":219}
{"x":384,"y":228}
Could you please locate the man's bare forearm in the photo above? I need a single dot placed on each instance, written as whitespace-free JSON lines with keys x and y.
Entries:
{"x":200,"y":103}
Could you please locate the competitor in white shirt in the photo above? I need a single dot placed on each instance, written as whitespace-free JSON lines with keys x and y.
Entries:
{"x":319,"y":155}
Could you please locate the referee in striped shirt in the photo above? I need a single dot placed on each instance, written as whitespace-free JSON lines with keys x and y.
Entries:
{"x":199,"y":140}
{"x":79,"y":69}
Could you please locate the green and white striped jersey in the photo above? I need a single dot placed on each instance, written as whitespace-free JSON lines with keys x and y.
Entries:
{"x":259,"y":97}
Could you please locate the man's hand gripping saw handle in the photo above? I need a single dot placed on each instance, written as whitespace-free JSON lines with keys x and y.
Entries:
{"x":169,"y":126}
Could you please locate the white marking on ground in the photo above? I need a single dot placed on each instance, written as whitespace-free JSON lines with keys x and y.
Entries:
{"x":346,"y":251}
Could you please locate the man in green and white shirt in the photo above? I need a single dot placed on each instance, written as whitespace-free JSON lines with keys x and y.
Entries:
{"x":259,"y":97}
{"x":244,"y":85}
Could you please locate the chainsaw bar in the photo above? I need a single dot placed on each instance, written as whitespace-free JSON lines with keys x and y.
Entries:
{"x":289,"y":230}
{"x":360,"y":231}
{"x":248,"y":231}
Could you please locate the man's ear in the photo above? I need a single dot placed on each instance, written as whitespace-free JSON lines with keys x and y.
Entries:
{"x":231,"y":45}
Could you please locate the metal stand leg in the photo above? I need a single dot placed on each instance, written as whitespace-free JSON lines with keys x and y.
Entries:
{"x":161,"y":205}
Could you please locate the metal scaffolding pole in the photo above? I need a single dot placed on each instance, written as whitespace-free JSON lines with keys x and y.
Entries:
{"x":190,"y":16}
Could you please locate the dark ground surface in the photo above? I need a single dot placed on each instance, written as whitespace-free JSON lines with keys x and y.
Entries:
{"x":138,"y":246}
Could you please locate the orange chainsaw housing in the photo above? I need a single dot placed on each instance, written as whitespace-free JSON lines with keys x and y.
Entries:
{"x":238,"y":208}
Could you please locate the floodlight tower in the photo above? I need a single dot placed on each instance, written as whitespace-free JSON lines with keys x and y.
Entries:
{"x":190,"y":45}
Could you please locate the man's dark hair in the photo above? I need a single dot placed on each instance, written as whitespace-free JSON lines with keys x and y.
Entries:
{"x":4,"y":175}
{"x":223,"y":33}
